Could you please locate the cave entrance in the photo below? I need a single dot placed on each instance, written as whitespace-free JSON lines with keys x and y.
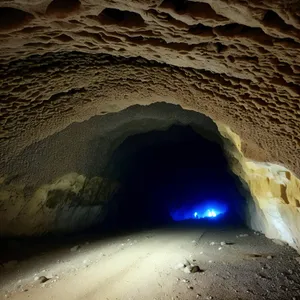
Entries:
{"x":173,"y":175}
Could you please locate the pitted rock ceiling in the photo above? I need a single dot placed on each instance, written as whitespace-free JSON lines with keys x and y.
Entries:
{"x":236,"y":61}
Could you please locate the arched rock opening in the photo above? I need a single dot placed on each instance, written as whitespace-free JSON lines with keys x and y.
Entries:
{"x":171,"y":174}
{"x":75,"y":191}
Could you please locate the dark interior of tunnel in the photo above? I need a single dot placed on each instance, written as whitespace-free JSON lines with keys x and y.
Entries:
{"x":169,"y":176}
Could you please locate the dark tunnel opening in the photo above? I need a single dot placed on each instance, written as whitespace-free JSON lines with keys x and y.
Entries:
{"x":172,"y":175}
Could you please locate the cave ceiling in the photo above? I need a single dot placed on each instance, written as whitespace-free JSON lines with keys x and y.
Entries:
{"x":238,"y":62}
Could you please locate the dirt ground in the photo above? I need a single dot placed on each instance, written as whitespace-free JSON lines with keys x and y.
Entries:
{"x":152,"y":264}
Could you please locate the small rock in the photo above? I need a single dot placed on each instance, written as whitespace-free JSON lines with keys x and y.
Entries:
{"x":269,"y":257}
{"x":244,"y":235}
{"x":187,"y":270}
{"x":210,"y":261}
{"x":220,"y":248}
{"x":198,"y":296}
{"x":185,"y":280}
{"x":190,"y":287}
{"x":298,"y":259}
{"x":195,"y":269}
{"x":223,"y":243}
{"x":75,"y":248}
{"x":41,"y":279}
{"x":212,"y":243}
{"x":201,"y":252}
{"x":193,"y":241}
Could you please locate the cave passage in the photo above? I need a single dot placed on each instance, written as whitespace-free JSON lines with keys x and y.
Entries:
{"x":173,"y":175}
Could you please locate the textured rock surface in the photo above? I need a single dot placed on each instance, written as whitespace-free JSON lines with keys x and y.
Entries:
{"x":70,"y":203}
{"x":273,"y":205}
{"x":50,"y":188}
{"x":236,"y":61}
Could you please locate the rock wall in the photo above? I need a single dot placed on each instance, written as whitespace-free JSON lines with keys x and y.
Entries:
{"x":63,"y":183}
{"x":237,"y":62}
{"x":274,"y":200}
{"x":70,"y":203}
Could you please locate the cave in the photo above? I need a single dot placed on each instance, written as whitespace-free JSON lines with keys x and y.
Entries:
{"x":155,"y":181}
{"x":149,"y":149}
{"x":173,"y":175}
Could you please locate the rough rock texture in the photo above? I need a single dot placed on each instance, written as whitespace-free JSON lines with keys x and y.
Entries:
{"x":70,"y":203}
{"x":236,"y":61}
{"x":50,"y":188}
{"x":273,"y":204}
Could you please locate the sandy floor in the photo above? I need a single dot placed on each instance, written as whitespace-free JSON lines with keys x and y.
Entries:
{"x":149,"y":265}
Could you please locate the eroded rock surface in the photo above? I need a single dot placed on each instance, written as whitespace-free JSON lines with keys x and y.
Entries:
{"x":236,"y":61}
{"x":273,"y":205}
{"x":70,"y":203}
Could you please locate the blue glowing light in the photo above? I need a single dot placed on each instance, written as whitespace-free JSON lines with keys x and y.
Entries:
{"x":211,"y":209}
{"x":211,"y":213}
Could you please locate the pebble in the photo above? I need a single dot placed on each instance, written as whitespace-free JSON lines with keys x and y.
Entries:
{"x":212,"y":243}
{"x":220,"y":248}
{"x":195,"y":269}
{"x":269,"y":257}
{"x":41,"y":279}
{"x":190,"y":287}
{"x":223,"y":243}
{"x":185,"y":280}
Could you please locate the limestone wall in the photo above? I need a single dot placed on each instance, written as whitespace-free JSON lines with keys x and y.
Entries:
{"x":274,"y":207}
{"x":67,"y":204}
